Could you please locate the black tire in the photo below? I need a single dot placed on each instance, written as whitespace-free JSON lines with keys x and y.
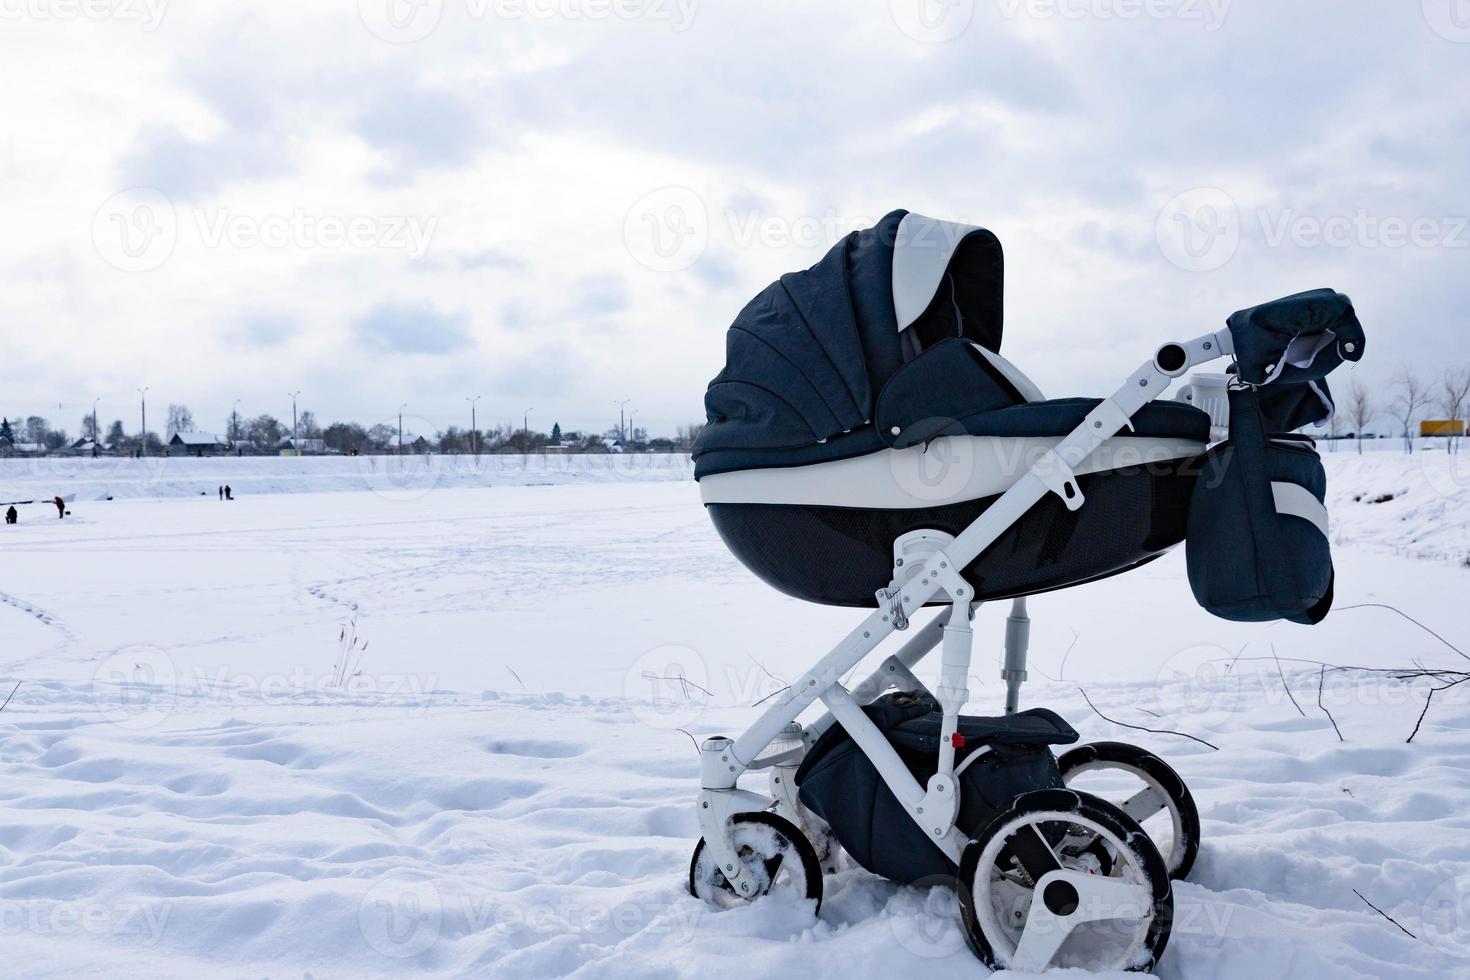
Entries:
{"x":1049,"y":810}
{"x":786,"y":840}
{"x":1184,"y":814}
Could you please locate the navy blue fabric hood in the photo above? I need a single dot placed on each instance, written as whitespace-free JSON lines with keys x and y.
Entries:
{"x":805,"y":359}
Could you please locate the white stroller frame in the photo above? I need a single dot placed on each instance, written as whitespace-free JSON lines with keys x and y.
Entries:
{"x":934,"y":807}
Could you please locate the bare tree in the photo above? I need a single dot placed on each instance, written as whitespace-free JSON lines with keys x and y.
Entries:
{"x":1410,"y":396}
{"x":180,"y":419}
{"x":1454,"y":398}
{"x":1360,"y":410}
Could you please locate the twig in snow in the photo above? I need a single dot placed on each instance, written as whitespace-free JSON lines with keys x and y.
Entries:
{"x":692,"y":740}
{"x":1237,"y":657}
{"x":1140,"y":728}
{"x":1381,"y":605}
{"x":1384,"y":914}
{"x":1430,"y":700}
{"x":1286,"y":687}
{"x":769,"y":696}
{"x":684,"y":683}
{"x":1321,"y":679}
{"x":1062,"y":670}
{"x":783,"y":687}
{"x":12,"y":694}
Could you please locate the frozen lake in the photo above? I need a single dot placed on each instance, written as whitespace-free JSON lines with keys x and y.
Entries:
{"x":494,"y":785}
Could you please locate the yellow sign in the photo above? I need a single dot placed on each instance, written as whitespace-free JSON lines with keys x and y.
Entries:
{"x":1442,"y":427}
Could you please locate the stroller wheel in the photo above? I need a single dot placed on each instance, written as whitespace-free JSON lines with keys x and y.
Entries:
{"x":1148,"y":790}
{"x":1036,"y":892}
{"x":775,"y":857}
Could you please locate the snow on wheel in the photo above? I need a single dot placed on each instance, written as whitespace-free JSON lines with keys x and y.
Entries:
{"x":1035,"y":893}
{"x":1147,"y":789}
{"x":773,"y":854}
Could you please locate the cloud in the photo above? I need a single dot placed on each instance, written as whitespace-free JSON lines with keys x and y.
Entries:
{"x":413,"y":328}
{"x":600,"y":295}
{"x":266,"y":329}
{"x":422,"y":129}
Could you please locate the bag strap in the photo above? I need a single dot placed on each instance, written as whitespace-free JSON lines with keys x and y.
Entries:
{"x":1249,"y":439}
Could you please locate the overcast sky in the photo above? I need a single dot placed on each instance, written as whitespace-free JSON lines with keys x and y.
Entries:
{"x":554,"y":204}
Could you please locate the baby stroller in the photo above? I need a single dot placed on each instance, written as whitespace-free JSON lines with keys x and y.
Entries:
{"x":868,"y":446}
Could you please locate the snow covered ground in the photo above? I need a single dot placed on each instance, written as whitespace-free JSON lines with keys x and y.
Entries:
{"x":189,"y":788}
{"x":109,"y":477}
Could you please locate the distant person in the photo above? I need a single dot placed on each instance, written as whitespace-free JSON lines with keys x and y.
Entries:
{"x":229,"y":495}
{"x":222,"y":493}
{"x":60,"y":506}
{"x":11,"y":516}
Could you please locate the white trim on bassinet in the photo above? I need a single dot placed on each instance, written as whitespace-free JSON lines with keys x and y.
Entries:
{"x":949,"y":470}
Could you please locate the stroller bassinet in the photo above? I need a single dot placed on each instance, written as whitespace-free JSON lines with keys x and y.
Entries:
{"x":866,"y":397}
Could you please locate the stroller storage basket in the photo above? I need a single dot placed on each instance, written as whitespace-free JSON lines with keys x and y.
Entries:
{"x":1257,"y":547}
{"x":842,"y":786}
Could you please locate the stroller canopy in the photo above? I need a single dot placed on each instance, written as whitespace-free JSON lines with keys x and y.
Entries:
{"x":805,"y":359}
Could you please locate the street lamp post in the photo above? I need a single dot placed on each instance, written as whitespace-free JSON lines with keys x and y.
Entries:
{"x":96,"y":436}
{"x":235,"y":421}
{"x":295,"y":435}
{"x":474,"y":428}
{"x":143,"y":403}
{"x":620,"y":404}
{"x":526,"y":428}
